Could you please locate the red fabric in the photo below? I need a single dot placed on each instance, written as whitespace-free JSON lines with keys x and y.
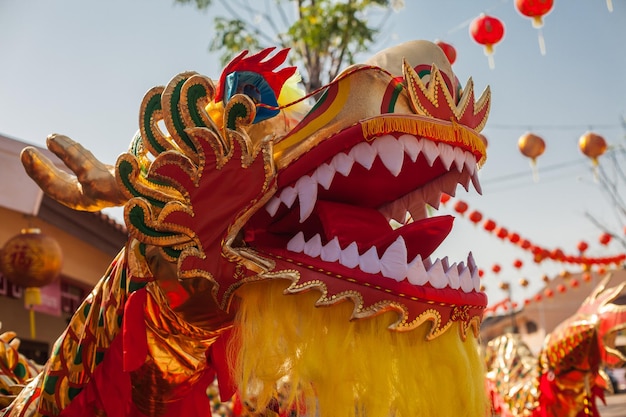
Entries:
{"x":219,"y":361}
{"x":134,"y":331}
{"x":547,"y":398}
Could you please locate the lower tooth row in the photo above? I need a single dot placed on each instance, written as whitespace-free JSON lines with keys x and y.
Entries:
{"x":393,"y":263}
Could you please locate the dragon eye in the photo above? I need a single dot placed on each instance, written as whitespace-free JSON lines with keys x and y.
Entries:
{"x":251,"y":91}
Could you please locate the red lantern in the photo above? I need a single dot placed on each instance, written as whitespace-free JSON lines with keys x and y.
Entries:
{"x":448,"y":50}
{"x":444,"y":198}
{"x":534,"y":9}
{"x":538,"y":297}
{"x":525,"y":243}
{"x":501,"y":233}
{"x":460,"y":207}
{"x":549,"y":293}
{"x":574,"y":283}
{"x":487,"y":31}
{"x":605,"y":238}
{"x":475,"y":217}
{"x":587,"y":277}
{"x":514,"y":237}
{"x":582,"y":246}
{"x":489,"y":225}
{"x":518,"y":263}
{"x":481,"y":273}
{"x":496,"y":268}
{"x":561,"y":288}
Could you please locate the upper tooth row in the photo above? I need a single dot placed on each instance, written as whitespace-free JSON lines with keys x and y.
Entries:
{"x":391,"y":153}
{"x":393,"y":264}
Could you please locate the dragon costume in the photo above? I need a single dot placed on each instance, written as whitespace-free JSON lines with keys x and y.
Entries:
{"x":285,"y":250}
{"x":567,"y":377}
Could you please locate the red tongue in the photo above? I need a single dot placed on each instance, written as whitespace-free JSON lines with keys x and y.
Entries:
{"x":367,"y":227}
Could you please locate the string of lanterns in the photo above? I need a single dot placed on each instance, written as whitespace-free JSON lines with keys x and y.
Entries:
{"x":540,"y":253}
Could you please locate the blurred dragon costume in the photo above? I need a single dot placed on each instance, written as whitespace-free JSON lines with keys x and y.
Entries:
{"x":567,"y":377}
{"x":261,"y":249}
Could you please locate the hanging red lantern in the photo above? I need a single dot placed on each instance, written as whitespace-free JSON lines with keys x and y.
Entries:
{"x":535,"y":9}
{"x":31,"y":259}
{"x":501,"y":233}
{"x":475,"y":216}
{"x":527,"y":301}
{"x":487,"y":31}
{"x":514,"y":237}
{"x":549,"y":293}
{"x":582,"y":246}
{"x":538,"y":297}
{"x":444,"y":198}
{"x":532,"y":146}
{"x":587,"y":276}
{"x":574,"y":283}
{"x":561,"y":288}
{"x":481,"y":273}
{"x":518,"y":263}
{"x":525,"y":243}
{"x":460,"y":207}
{"x":489,"y":225}
{"x":496,"y":268}
{"x":605,"y":238}
{"x":557,"y":254}
{"x":448,"y":50}
{"x":592,"y":145}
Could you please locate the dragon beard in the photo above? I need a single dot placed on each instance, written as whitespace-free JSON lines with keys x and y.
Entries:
{"x":284,"y":350}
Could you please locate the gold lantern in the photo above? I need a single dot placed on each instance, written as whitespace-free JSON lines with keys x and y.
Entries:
{"x":592,"y":145}
{"x":31,"y":259}
{"x":532,"y":146}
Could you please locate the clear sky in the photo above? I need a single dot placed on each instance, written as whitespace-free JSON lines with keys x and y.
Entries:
{"x":81,"y":67}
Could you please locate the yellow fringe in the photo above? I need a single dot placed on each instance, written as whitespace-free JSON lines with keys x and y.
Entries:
{"x":437,"y":130}
{"x":345,"y":368}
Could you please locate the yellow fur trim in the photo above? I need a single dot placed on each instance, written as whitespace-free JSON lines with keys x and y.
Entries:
{"x":345,"y":368}
{"x":437,"y":130}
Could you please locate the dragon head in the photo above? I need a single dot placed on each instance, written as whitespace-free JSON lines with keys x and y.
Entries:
{"x":223,"y":182}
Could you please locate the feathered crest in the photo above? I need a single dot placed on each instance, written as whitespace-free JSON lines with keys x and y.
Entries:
{"x":257,"y":63}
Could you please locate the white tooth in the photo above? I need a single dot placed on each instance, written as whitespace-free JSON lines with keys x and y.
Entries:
{"x":324,"y":175}
{"x":288,"y":196}
{"x":471,"y":263}
{"x":470,"y":162}
{"x":476,"y":183}
{"x":313,"y":247}
{"x":446,"y":154}
{"x":459,"y":158}
{"x":466,"y":279}
{"x":437,"y":276}
{"x":453,"y":277}
{"x":417,"y":274}
{"x":307,"y":194}
{"x":393,"y":262}
{"x":430,"y":151}
{"x":465,"y":180}
{"x":391,"y":153}
{"x":364,"y":154}
{"x":412,"y":146}
{"x":331,"y":251}
{"x":343,"y":163}
{"x":369,"y":262}
{"x":444,"y":263}
{"x":296,"y":244}
{"x":476,"y":280}
{"x":272,"y":206}
{"x":350,"y":256}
